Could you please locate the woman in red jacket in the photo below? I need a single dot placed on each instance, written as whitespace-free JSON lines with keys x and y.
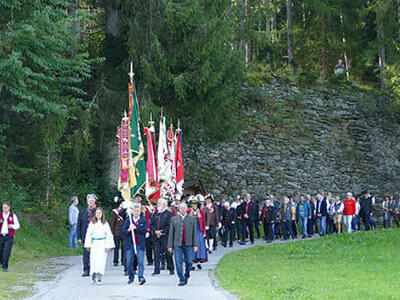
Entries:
{"x":349,"y":211}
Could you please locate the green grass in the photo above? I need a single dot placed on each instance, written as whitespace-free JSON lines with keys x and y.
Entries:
{"x":32,"y":245}
{"x":363,"y":265}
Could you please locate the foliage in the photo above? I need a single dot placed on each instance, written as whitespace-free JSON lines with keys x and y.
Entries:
{"x":332,"y":267}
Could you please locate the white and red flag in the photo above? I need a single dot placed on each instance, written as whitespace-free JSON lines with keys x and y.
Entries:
{"x":152,"y":180}
{"x":179,"y":164}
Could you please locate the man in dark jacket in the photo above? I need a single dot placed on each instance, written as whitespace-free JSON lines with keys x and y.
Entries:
{"x":365,"y":208}
{"x":311,"y":219}
{"x":160,"y":230}
{"x":249,"y":215}
{"x":133,"y":233}
{"x":322,"y":213}
{"x":116,"y":226}
{"x":286,"y":219}
{"x":228,"y":224}
{"x":182,"y":240}
{"x":84,"y":217}
{"x":268,"y":218}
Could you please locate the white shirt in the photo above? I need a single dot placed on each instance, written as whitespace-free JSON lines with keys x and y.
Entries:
{"x":5,"y":226}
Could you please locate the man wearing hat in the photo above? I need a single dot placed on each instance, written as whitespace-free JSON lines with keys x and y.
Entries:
{"x":84,"y":217}
{"x":160,"y":222}
{"x":116,"y":226}
{"x":366,"y":208}
{"x":212,"y":221}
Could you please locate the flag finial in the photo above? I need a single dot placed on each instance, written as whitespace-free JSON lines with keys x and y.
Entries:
{"x":131,"y":74}
{"x":179,"y":126}
{"x":151,"y":122}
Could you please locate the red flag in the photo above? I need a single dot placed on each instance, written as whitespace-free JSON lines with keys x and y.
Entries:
{"x":152,"y":181}
{"x":179,"y":165}
{"x":123,"y":135}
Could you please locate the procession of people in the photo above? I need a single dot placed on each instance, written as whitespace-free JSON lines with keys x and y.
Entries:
{"x":179,"y":235}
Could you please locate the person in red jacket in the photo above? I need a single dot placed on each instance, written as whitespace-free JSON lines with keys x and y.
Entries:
{"x":349,"y":211}
{"x":8,"y":225}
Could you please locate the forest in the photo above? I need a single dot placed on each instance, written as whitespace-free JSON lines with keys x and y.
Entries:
{"x":64,"y":75}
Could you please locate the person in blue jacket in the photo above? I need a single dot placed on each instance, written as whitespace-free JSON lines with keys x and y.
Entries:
{"x":303,"y":213}
{"x":133,"y":233}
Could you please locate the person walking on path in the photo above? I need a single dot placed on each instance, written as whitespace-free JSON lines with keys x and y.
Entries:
{"x":116,"y":226}
{"x":8,"y":225}
{"x":84,"y":218}
{"x":73,"y":213}
{"x":182,"y":241}
{"x":99,"y":241}
{"x":160,"y":230}
{"x":134,"y":235}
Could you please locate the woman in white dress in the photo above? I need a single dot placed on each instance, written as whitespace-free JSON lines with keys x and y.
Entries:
{"x":99,"y":241}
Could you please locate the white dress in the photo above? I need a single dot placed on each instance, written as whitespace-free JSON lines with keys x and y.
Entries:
{"x":98,"y":238}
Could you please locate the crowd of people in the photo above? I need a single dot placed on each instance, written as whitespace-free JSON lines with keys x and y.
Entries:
{"x":187,"y":231}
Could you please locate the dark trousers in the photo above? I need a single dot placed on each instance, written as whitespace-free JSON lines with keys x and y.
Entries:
{"x":6,"y":243}
{"x":294,"y":228}
{"x":310,"y":226}
{"x":256,"y":223}
{"x":248,"y":224}
{"x":118,"y":242}
{"x":268,"y":230}
{"x":239,"y":229}
{"x":211,"y":234}
{"x":365,"y":220}
{"x":287,"y":229}
{"x":149,"y":249}
{"x":86,"y":259}
{"x":161,"y":253}
{"x":228,"y":231}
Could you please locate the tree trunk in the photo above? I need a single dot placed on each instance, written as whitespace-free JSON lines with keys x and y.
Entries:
{"x":71,"y":9}
{"x":381,"y":35}
{"x":149,"y":23}
{"x":268,"y":19}
{"x":113,"y":21}
{"x":324,"y":49}
{"x":290,"y":37}
{"x":346,"y":60}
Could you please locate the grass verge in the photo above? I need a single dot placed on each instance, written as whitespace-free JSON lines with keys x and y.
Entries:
{"x":32,"y":245}
{"x":362,"y":265}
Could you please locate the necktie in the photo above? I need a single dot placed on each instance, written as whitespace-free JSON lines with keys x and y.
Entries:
{"x":90,"y":214}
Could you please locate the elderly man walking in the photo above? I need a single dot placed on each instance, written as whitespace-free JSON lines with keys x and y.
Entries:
{"x":182,"y":240}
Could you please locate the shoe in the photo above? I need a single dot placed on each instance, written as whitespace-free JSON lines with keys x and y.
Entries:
{"x":85,"y":274}
{"x":252,"y":242}
{"x":130,"y":281}
{"x":199,"y":266}
{"x":230,"y":245}
{"x":209,"y":251}
{"x":181,"y":283}
{"x":142,"y":281}
{"x":155,"y":273}
{"x":241,"y":243}
{"x":98,"y":281}
{"x":125,"y":273}
{"x":93,"y":278}
{"x":115,"y":264}
{"x":171,"y":272}
{"x":5,"y":270}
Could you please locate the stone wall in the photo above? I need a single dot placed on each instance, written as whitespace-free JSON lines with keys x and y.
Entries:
{"x":302,"y":141}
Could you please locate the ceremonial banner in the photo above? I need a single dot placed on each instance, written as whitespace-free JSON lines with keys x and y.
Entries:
{"x":124,"y":158}
{"x":152,"y":182}
{"x":179,"y":164}
{"x":138,"y":167}
{"x":163,"y":162}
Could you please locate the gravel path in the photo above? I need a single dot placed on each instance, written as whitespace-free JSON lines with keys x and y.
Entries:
{"x":70,"y":285}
